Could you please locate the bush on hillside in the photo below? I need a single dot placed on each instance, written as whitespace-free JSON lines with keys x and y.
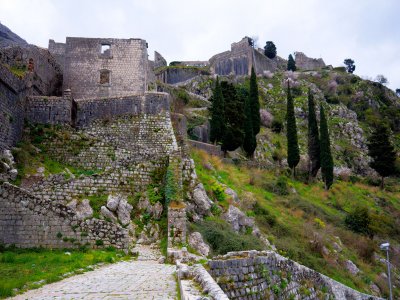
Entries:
{"x":222,"y":239}
{"x":359,"y":220}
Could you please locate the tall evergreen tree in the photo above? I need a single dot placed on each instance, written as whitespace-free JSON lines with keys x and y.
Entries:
{"x":217,"y":121}
{"x":382,"y":152}
{"x":254,"y":102}
{"x":291,"y":134}
{"x":270,"y":50}
{"x":234,"y":118}
{"x":291,"y":65}
{"x":313,"y":139}
{"x":250,"y":142}
{"x":326,"y":155}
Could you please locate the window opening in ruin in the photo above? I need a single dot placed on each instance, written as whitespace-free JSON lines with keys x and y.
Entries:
{"x":106,"y":49}
{"x":31,"y":65}
{"x":104,"y":77}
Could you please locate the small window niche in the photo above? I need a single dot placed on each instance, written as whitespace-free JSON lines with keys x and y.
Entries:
{"x":105,"y":50}
{"x":104,"y":77}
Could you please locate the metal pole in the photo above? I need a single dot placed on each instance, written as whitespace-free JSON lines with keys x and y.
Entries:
{"x":389,"y":279}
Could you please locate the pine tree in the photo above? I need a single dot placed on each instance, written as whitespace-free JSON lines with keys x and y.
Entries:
{"x":291,"y":65}
{"x":382,"y":152}
{"x":313,"y":138}
{"x":291,"y":134}
{"x":326,"y":155}
{"x":254,"y":102}
{"x":234,"y":118}
{"x":249,"y":143}
{"x":217,"y":121}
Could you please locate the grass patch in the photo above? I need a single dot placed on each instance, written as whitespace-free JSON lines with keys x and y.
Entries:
{"x":22,"y":269}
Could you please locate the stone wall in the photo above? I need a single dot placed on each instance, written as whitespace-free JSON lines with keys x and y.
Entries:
{"x":268,"y":275}
{"x":11,"y":109}
{"x":209,"y":148}
{"x":89,"y":110}
{"x":27,"y":221}
{"x":172,"y":75}
{"x":159,"y":60}
{"x":43,"y":75}
{"x":58,"y":52}
{"x":240,"y":59}
{"x":306,"y":63}
{"x":126,"y":63}
{"x":48,"y":110}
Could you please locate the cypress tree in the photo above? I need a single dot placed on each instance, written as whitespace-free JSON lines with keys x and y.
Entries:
{"x":382,"y":152}
{"x":254,"y":102}
{"x":234,"y":118}
{"x":217,"y":121}
{"x":249,"y":142}
{"x":291,"y":134}
{"x":326,"y":155}
{"x":313,"y":139}
{"x":291,"y":65}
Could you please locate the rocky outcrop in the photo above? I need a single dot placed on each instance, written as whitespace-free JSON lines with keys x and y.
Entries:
{"x":201,"y":200}
{"x":9,"y":38}
{"x":237,"y":219}
{"x":196,"y":242}
{"x":82,"y":208}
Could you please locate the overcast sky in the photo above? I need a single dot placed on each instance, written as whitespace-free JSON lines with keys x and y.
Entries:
{"x":364,"y":30}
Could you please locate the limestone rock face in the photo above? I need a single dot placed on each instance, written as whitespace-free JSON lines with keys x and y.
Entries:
{"x":82,"y":209}
{"x":203,"y":203}
{"x":197,"y":242}
{"x":124,"y":211}
{"x":351,"y":267}
{"x":108,"y":214}
{"x":156,"y":210}
{"x":237,"y":219}
{"x":113,"y":201}
{"x":232,"y":194}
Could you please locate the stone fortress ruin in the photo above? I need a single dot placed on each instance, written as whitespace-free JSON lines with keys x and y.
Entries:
{"x":97,"y":90}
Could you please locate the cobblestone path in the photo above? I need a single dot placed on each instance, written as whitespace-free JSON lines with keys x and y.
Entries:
{"x":142,"y":279}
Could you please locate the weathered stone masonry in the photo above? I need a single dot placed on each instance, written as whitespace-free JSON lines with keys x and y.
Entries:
{"x":125,"y":61}
{"x":268,"y":275}
{"x":28,"y":221}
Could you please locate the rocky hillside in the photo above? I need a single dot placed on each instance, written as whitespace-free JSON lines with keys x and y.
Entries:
{"x":354,"y":106}
{"x":9,"y":38}
{"x":301,"y":220}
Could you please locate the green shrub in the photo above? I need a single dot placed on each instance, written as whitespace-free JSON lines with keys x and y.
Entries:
{"x":218,"y":191}
{"x":277,"y":126}
{"x":99,"y":243}
{"x":222,"y":239}
{"x":359,"y":220}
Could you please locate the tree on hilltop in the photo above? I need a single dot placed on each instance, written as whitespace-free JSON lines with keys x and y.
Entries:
{"x":382,"y":152}
{"x":291,"y":65}
{"x":350,"y":66}
{"x":293,"y":151}
{"x":270,"y":50}
{"x":313,"y":139}
{"x":326,"y":155}
{"x":217,"y":121}
{"x":381,"y":79}
{"x":254,"y":102}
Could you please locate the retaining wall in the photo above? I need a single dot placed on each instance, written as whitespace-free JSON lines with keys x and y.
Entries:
{"x":28,"y":221}
{"x":268,"y":275}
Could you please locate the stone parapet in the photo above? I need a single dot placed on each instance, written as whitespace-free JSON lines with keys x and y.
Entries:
{"x":268,"y":275}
